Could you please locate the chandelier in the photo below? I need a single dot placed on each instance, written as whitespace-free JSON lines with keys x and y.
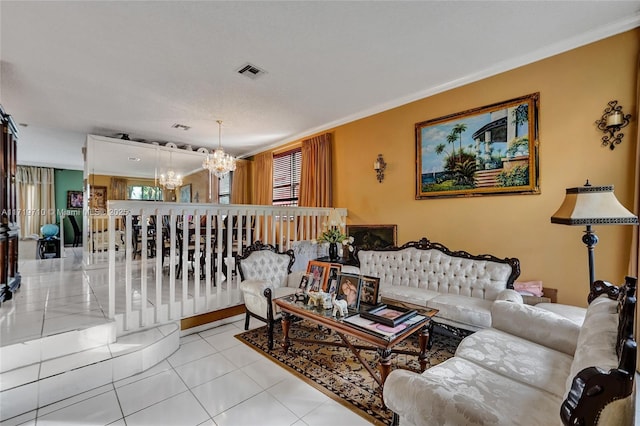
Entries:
{"x":171,"y":180}
{"x":219,"y":162}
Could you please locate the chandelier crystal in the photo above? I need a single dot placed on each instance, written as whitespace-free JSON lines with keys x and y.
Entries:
{"x":219,"y":162}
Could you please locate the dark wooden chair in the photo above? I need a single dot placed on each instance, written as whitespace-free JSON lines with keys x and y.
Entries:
{"x":77,"y":234}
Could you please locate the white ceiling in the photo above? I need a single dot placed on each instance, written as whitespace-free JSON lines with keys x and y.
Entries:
{"x":74,"y":68}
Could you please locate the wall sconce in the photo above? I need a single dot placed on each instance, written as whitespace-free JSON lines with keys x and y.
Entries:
{"x":379,"y":165}
{"x":613,"y":119}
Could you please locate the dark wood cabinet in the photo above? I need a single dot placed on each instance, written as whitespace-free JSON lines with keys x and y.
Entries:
{"x":9,"y":275}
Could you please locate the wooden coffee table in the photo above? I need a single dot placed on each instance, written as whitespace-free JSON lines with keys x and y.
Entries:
{"x":382,"y":344}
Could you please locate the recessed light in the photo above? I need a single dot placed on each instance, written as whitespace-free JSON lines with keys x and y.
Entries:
{"x":134,"y":159}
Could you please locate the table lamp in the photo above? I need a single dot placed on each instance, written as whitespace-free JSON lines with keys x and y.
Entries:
{"x":592,"y":205}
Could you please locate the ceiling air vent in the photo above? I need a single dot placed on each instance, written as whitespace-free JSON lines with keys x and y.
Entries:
{"x":180,"y":126}
{"x":251,"y":71}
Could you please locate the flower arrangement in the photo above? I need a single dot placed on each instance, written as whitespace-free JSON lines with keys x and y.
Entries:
{"x":333,"y":232}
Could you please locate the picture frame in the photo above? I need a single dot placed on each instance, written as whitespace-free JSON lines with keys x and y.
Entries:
{"x":318,"y":274}
{"x":368,"y":295}
{"x":368,"y":237}
{"x":98,"y":199}
{"x":304,"y":283}
{"x":489,"y":150}
{"x":388,"y":315}
{"x":349,"y":290}
{"x":332,"y":278}
{"x":185,"y":194}
{"x":74,"y":199}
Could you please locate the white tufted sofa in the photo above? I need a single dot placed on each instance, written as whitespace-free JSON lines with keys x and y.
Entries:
{"x":461,"y":286}
{"x":533,"y":367}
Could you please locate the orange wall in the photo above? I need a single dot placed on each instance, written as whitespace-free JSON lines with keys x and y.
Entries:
{"x":574,"y":90}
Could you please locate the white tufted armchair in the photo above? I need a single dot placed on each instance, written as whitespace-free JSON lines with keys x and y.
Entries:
{"x":265,"y":275}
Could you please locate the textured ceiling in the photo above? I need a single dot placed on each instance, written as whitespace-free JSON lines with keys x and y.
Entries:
{"x":74,"y":68}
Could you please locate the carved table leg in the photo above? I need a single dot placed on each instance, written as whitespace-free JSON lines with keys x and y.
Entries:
{"x":286,"y":322}
{"x":385,"y":364}
{"x":425,"y":336}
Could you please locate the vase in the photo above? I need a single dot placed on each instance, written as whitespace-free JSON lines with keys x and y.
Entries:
{"x":333,"y":251}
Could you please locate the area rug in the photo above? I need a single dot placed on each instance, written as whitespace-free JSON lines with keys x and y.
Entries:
{"x":336,"y":371}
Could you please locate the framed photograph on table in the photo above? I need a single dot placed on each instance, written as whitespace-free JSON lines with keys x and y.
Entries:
{"x":368,"y":290}
{"x":348,"y":289}
{"x":332,"y":280}
{"x":318,"y":273}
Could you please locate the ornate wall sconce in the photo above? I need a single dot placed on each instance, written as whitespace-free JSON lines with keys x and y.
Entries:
{"x":379,"y":166}
{"x":612,"y":120}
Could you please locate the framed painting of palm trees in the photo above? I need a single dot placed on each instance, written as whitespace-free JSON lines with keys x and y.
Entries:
{"x":488,"y":150}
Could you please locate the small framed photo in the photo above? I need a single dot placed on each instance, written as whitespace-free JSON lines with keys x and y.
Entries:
{"x":332,"y":280}
{"x":304,"y":283}
{"x":348,"y":289}
{"x":318,"y":273}
{"x":369,"y":290}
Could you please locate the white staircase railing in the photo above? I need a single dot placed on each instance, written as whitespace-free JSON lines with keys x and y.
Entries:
{"x":168,"y":261}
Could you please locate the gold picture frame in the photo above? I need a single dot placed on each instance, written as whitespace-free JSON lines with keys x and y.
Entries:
{"x":482,"y":151}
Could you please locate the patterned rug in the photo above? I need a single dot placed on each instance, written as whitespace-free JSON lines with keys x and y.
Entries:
{"x":336,"y":371}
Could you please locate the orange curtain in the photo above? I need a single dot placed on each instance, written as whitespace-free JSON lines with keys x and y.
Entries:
{"x":240,"y":183}
{"x":263,"y":179}
{"x":315,"y":176}
{"x":118,"y":189}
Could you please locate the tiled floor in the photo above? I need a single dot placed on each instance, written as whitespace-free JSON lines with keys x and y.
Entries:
{"x":212,"y":379}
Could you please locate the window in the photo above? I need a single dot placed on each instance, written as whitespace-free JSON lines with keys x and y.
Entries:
{"x":224,"y":188}
{"x":143,"y":192}
{"x":286,"y":178}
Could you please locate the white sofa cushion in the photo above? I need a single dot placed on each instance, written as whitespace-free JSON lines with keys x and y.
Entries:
{"x":537,"y":325}
{"x":462,"y":310}
{"x":459,"y":392}
{"x":573,"y":313}
{"x":517,"y":358}
{"x":597,"y":338}
{"x":413,"y":295}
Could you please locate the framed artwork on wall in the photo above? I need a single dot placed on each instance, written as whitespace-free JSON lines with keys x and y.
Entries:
{"x":74,"y":199}
{"x":185,"y":194}
{"x":483,"y":151}
{"x":98,"y":199}
{"x":367,"y":237}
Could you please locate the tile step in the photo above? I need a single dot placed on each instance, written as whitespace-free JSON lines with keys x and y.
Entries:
{"x":30,"y":386}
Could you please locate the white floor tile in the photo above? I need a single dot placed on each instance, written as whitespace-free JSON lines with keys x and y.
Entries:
{"x":222,"y":393}
{"x":217,"y":330}
{"x":262,"y":409}
{"x":224,"y":340}
{"x":242,"y":355}
{"x":298,"y":396}
{"x":205,"y":369}
{"x":331,"y":413}
{"x":26,"y":419}
{"x":159,"y":368}
{"x":143,"y":393}
{"x":74,"y":399}
{"x":266,"y":373}
{"x":182,"y":409}
{"x":191,"y":352}
{"x":99,"y":410}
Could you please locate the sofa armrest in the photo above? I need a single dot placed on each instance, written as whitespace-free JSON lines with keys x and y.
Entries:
{"x":406,"y":393}
{"x":255,"y":287}
{"x":537,"y":325}
{"x":510,"y":295}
